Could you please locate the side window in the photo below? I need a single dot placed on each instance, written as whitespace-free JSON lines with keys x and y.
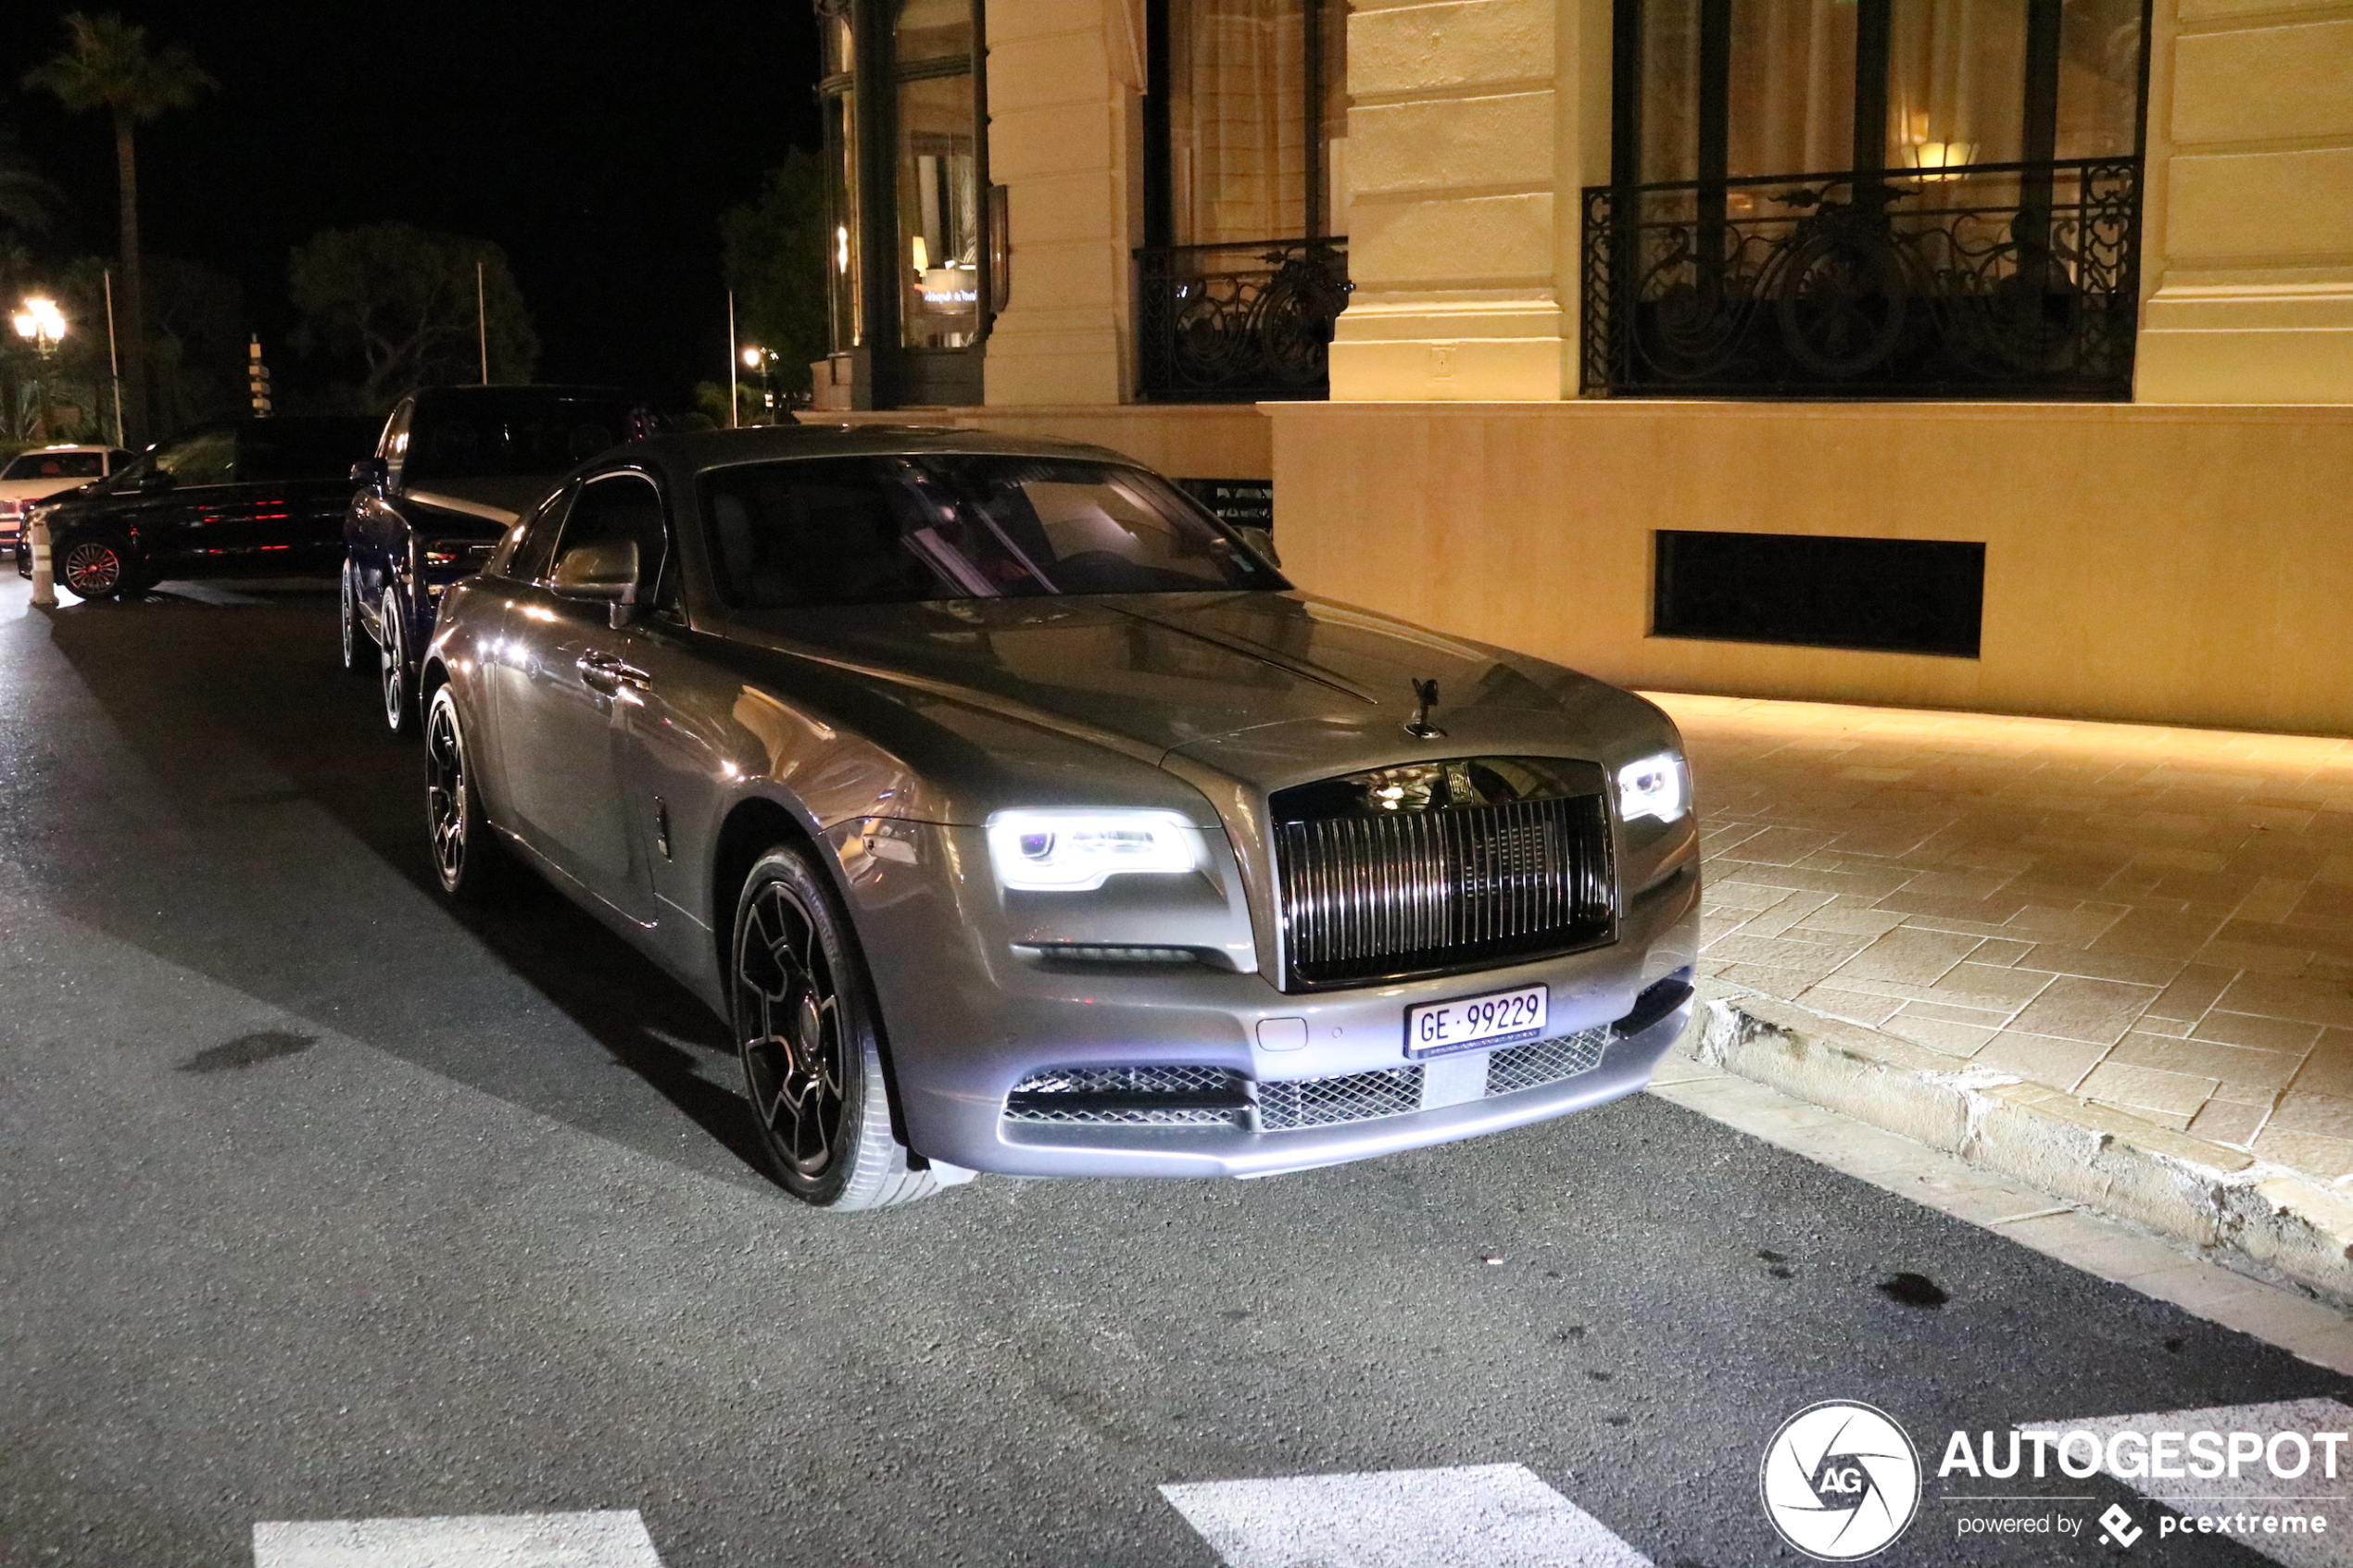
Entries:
{"x":617,"y":508}
{"x":532,"y":545}
{"x":206,"y":457}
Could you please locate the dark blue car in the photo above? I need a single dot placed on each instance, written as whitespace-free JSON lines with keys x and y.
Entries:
{"x":455,"y":468}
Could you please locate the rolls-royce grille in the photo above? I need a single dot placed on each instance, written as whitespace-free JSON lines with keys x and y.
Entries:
{"x":1131,"y":1096}
{"x":1545,"y":1062}
{"x":1284,"y":1104}
{"x":1372,"y":896}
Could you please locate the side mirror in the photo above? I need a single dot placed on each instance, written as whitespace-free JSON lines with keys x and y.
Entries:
{"x":1262,"y":541}
{"x":370,"y":470}
{"x":604,"y":572}
{"x":155,"y":481}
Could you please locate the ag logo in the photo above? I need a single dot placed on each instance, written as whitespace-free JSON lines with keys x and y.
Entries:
{"x":1840,"y":1481}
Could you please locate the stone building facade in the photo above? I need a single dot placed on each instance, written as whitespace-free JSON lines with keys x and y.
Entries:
{"x":1989,"y":354}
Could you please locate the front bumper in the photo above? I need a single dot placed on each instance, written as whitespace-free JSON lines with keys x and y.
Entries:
{"x":1625,"y":1068}
{"x":966,"y":1024}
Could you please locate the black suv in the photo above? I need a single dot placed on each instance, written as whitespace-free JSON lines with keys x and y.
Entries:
{"x":234,"y":498}
{"x":454,"y":467}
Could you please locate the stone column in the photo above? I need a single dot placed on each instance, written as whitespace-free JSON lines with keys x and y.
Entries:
{"x":1473,"y":124}
{"x":1065,"y":80}
{"x":2248,"y":239}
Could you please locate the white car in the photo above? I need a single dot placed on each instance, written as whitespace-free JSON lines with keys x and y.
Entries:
{"x":43,"y":471}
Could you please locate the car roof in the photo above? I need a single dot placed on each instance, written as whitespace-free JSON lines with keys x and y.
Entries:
{"x":76,"y":446}
{"x":702,"y":449}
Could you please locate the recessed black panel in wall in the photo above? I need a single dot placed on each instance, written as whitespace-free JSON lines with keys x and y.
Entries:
{"x":1890,"y":595}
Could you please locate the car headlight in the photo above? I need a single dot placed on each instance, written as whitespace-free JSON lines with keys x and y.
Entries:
{"x":1659,"y":785}
{"x":1064,"y":850}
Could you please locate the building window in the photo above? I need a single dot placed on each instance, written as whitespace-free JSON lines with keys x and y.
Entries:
{"x":838,"y":99}
{"x":1241,"y":275}
{"x":1870,"y":198}
{"x":907,"y":147}
{"x":939,"y":176}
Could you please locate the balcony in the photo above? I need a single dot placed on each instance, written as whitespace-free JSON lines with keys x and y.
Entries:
{"x":1989,"y":280}
{"x":1237,"y":323}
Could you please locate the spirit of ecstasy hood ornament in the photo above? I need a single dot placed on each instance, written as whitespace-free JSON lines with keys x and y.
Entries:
{"x":1426,"y":695}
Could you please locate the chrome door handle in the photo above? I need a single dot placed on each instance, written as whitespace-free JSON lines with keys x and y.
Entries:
{"x":607,"y":673}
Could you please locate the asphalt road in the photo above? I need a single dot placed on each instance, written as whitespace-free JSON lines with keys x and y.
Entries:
{"x":318,"y":1201}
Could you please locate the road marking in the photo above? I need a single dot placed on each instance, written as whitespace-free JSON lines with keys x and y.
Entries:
{"x":616,"y":1540}
{"x":1472,"y":1516}
{"x":2254,"y":1490}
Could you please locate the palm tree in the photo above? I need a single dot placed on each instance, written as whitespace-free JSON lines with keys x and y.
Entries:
{"x":106,"y":64}
{"x":25,"y":196}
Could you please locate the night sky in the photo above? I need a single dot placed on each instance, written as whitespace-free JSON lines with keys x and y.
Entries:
{"x":597,"y":141}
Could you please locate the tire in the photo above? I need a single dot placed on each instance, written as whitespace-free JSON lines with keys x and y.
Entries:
{"x":354,"y":632}
{"x":394,"y":675}
{"x":469,"y":861}
{"x":99,"y":567}
{"x":805,"y":1034}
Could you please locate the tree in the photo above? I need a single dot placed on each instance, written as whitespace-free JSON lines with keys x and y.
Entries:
{"x":772,"y":253}
{"x":196,"y":348}
{"x":25,"y":196}
{"x":402,"y":299}
{"x":107,"y":65}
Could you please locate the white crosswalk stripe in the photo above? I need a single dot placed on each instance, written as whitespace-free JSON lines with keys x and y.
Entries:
{"x":613,"y":1539}
{"x":2254,"y":1492}
{"x":1471,"y":1516}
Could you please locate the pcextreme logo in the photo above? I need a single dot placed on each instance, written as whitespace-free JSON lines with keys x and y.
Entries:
{"x":1840,"y":1481}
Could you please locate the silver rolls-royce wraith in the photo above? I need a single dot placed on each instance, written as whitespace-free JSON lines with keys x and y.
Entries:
{"x":1019,"y":816}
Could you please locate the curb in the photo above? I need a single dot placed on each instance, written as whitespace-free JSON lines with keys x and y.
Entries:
{"x":2258,"y":1218}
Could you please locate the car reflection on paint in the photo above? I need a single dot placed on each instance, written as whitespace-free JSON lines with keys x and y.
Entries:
{"x":1019,"y":816}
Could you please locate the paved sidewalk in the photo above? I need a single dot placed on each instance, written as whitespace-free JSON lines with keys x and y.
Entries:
{"x":2159,"y":920}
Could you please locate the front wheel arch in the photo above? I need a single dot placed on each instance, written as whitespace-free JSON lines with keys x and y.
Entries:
{"x":754,"y":826}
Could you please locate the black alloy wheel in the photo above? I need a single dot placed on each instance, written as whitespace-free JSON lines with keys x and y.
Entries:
{"x":467,"y":859}
{"x":812,"y":1066}
{"x":352,"y":630}
{"x":392,"y":662}
{"x":97,"y":568}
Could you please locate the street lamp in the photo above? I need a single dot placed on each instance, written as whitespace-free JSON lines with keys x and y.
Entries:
{"x":41,"y":324}
{"x":764,"y":361}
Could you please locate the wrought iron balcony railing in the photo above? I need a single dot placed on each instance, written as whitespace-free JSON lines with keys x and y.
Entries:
{"x":1987,"y":281}
{"x":1238,"y":321}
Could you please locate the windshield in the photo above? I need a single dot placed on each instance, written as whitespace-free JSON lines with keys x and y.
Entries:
{"x":538,"y":439}
{"x":56,"y":465}
{"x":856,"y":531}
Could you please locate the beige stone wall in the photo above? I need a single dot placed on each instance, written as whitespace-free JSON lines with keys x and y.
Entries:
{"x":1063,"y":130}
{"x":2249,"y":255}
{"x":2182,"y":565}
{"x":1473,"y":124}
{"x":1185,"y":441}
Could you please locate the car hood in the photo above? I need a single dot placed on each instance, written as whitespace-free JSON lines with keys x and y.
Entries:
{"x":1230,"y":679}
{"x":38,"y":489}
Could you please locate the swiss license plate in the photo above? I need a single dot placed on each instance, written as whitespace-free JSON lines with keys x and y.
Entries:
{"x":1496,"y":1019}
